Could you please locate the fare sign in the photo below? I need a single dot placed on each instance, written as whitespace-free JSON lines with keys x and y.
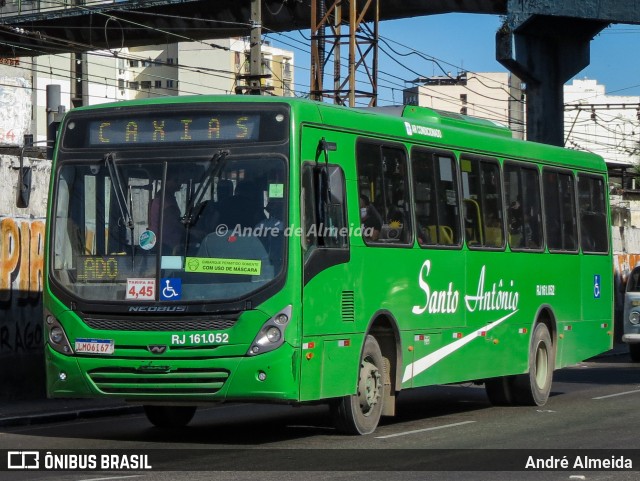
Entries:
{"x":141,"y":289}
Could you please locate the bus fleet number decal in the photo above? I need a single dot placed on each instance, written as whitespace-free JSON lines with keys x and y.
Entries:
{"x":196,"y":339}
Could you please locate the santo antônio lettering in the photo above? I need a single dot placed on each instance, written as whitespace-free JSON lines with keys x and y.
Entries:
{"x":499,"y":296}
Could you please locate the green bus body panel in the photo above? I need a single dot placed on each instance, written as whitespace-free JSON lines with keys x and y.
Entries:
{"x":453,"y":338}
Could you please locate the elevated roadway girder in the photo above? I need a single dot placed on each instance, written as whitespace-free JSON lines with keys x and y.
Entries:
{"x":110,"y":25}
{"x":544,"y":42}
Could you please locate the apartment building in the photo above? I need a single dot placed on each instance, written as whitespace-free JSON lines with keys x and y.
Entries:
{"x":185,"y":68}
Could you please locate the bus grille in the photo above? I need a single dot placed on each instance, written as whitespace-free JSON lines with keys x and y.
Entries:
{"x":185,"y":324}
{"x":159,"y":381}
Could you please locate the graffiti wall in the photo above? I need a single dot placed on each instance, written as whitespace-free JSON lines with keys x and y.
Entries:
{"x":21,"y":276}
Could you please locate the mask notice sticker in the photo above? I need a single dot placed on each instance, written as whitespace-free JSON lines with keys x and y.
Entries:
{"x":212,"y":265}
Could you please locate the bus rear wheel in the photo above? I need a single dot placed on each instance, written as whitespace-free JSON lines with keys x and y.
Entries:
{"x":500,"y":390}
{"x":169,"y":416}
{"x":634,"y":352}
{"x":533,"y":388}
{"x":360,"y":412}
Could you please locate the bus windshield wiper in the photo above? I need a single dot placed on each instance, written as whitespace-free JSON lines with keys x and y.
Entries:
{"x":188,"y":219}
{"x":217,"y":161}
{"x":123,"y":206}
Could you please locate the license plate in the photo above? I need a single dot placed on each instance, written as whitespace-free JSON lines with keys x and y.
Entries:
{"x":94,"y":346}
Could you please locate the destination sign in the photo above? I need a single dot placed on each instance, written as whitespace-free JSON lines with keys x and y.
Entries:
{"x":113,"y":268}
{"x":176,"y":128}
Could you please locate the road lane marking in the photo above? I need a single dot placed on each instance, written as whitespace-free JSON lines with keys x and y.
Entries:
{"x":618,"y":394}
{"x":115,"y":477}
{"x":424,"y":430}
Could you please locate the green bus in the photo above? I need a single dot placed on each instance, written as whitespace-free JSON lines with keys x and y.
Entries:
{"x":217,"y":248}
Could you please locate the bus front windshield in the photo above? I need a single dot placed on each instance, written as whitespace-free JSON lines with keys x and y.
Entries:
{"x":169,"y":230}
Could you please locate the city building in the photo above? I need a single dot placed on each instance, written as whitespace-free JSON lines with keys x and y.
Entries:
{"x":185,"y":68}
{"x":608,"y":125}
{"x":496,"y":96}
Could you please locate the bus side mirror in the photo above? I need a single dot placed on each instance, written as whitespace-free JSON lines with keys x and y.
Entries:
{"x":24,"y":187}
{"x":24,"y":176}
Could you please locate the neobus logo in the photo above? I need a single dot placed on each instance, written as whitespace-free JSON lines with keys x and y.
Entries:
{"x":157,"y":308}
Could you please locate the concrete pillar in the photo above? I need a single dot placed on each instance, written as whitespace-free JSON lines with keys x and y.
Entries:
{"x":545,"y":52}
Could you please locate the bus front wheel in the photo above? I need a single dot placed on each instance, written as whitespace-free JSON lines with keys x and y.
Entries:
{"x":360,"y":412}
{"x":169,"y":416}
{"x":533,"y":388}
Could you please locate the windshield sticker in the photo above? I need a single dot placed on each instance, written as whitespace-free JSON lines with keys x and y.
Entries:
{"x":171,"y":289}
{"x":276,"y":191}
{"x":213,"y":265}
{"x":147,"y":240}
{"x":141,"y":289}
{"x":171,"y":262}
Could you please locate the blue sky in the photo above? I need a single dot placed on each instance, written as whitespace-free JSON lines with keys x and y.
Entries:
{"x":464,"y":41}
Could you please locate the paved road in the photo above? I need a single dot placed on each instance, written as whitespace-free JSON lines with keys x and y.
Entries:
{"x":593,"y":410}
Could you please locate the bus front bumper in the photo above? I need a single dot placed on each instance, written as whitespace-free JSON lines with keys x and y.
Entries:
{"x":269,"y":377}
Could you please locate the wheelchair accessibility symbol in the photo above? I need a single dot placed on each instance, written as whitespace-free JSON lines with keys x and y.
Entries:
{"x":596,"y":286}
{"x":170,"y":289}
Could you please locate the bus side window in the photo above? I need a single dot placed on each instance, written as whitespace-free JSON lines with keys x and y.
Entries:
{"x":593,"y":221}
{"x":435,"y":189}
{"x":331,"y":232}
{"x":524,"y":212}
{"x":560,"y":210}
{"x":482,"y":194}
{"x":383,"y":190}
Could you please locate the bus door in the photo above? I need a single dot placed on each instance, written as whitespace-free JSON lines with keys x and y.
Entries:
{"x":328,"y":292}
{"x":596,"y":282}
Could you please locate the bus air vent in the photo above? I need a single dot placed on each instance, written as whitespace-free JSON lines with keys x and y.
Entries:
{"x":348,"y":306}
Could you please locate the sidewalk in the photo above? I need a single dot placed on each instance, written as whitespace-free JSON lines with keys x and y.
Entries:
{"x":40,"y":411}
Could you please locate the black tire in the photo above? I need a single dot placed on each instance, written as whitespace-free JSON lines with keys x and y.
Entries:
{"x":634,"y":352}
{"x":360,"y":413}
{"x":500,"y":390}
{"x":533,"y":388}
{"x":169,"y":416}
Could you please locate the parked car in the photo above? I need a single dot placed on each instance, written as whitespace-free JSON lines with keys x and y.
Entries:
{"x":631,"y":317}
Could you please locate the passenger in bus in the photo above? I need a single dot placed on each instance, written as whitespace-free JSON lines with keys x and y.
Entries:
{"x":271,"y":232}
{"x":212,"y":210}
{"x":172,"y":227}
{"x":515,"y":222}
{"x":245,"y":208}
{"x":370,"y":219}
{"x":398,"y":216}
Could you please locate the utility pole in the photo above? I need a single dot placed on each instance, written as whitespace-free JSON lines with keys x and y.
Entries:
{"x":362,"y":41}
{"x":79,"y":78}
{"x":254,"y":79}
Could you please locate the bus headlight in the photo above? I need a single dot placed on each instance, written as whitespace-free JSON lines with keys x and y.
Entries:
{"x":634,"y":317}
{"x":271,"y":335}
{"x":56,"y":336}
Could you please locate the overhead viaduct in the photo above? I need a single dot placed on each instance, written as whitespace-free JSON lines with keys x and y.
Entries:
{"x":544,"y":42}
